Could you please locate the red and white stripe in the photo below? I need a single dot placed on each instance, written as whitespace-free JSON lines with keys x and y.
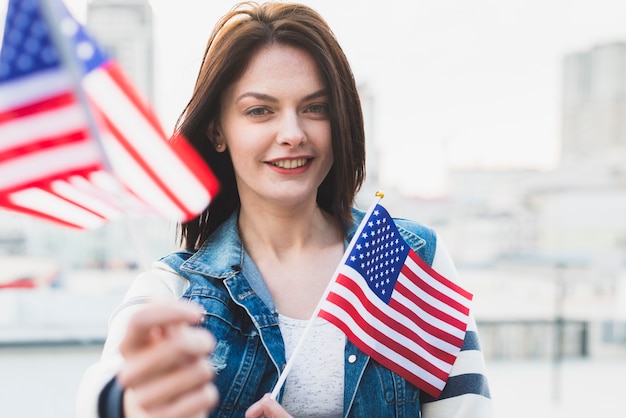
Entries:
{"x":417,"y":335}
{"x":52,"y":168}
{"x":45,"y":141}
{"x":43,"y":131}
{"x":165,"y":177}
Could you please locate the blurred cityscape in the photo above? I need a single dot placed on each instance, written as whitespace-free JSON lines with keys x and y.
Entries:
{"x":541,"y":246}
{"x":544,"y":251}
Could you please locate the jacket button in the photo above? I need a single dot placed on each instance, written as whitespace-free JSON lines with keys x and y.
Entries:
{"x":351,"y":358}
{"x":236,"y":267}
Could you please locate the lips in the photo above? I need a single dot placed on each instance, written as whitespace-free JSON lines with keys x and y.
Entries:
{"x":290,"y":164}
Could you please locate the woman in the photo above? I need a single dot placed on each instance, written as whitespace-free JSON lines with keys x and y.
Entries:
{"x":276,"y":113}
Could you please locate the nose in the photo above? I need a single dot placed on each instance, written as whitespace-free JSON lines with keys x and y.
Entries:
{"x":291,"y":132}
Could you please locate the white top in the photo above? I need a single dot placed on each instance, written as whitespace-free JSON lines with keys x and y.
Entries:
{"x":314,"y":386}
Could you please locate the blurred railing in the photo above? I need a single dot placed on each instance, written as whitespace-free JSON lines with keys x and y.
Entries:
{"x":527,"y":339}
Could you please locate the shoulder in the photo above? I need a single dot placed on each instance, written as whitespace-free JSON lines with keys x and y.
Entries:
{"x":409,"y":227}
{"x":420,"y":237}
{"x":174,"y":260}
{"x":161,"y":281}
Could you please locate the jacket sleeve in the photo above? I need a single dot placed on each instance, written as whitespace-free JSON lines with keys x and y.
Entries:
{"x":158,"y":283}
{"x":466,"y":394}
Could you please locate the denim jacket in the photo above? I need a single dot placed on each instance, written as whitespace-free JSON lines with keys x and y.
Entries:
{"x":250,"y":354}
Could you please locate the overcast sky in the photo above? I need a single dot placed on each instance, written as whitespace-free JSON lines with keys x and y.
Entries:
{"x":451,"y":82}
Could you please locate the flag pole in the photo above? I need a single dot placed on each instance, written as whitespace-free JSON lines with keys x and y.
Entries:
{"x":70,"y":62}
{"x":290,"y":362}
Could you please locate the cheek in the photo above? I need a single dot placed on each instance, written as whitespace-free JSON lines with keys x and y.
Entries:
{"x":324,"y":137}
{"x":248,"y":136}
{"x":239,"y":142}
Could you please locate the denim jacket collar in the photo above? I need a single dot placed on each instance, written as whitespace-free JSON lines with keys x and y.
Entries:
{"x":228,"y":261}
{"x":219,"y":264}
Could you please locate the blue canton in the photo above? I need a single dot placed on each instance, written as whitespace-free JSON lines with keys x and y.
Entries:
{"x":379,"y":253}
{"x":28,"y":47}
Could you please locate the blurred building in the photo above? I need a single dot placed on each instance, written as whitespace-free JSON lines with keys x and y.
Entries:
{"x":541,"y":245}
{"x":583,"y":203}
{"x":594,"y":102}
{"x":125,"y":29}
{"x":575,"y":211}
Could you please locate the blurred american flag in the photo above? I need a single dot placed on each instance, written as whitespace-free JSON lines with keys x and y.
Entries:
{"x":81,"y":148}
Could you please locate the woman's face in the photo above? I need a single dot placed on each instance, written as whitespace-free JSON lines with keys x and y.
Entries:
{"x":275,"y":124}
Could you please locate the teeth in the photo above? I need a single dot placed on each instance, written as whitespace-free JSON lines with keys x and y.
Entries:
{"x":289,"y":164}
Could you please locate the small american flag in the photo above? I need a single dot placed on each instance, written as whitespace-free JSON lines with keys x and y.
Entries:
{"x":76,"y":162}
{"x":394,"y":307}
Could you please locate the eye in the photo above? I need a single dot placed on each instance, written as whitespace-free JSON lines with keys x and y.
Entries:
{"x":258,"y":111}
{"x":319,"y":109}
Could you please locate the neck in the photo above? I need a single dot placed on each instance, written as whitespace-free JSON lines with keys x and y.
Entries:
{"x":277,"y":231}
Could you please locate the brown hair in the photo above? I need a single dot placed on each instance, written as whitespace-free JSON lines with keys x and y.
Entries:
{"x":237,"y":35}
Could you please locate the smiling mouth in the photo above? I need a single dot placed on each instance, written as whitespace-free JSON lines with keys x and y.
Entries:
{"x":290,"y":164}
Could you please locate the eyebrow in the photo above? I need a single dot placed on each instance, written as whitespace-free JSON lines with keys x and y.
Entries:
{"x":268,"y":98}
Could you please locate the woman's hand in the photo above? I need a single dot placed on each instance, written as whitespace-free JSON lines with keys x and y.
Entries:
{"x":266,"y":407}
{"x":166,"y":371}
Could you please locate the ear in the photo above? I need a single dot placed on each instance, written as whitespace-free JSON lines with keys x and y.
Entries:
{"x":214,"y":133}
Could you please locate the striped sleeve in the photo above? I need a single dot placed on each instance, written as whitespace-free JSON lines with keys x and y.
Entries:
{"x":466,"y":394}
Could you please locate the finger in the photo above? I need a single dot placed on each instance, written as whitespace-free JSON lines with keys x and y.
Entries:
{"x":186,"y":345}
{"x":175,"y":384}
{"x":159,"y":314}
{"x":255,"y":410}
{"x":266,"y":407}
